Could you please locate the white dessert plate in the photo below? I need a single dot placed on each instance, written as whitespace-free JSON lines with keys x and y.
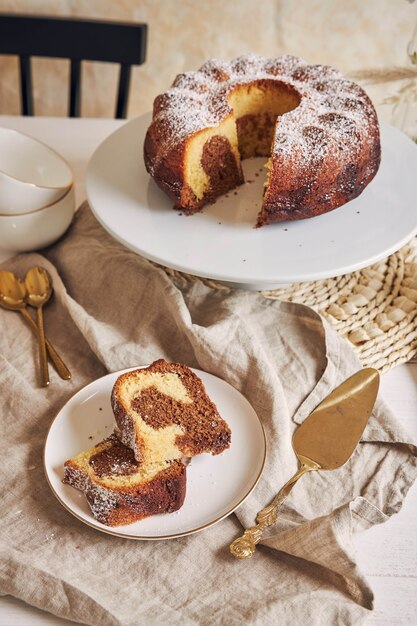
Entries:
{"x":221,"y":243}
{"x":216,"y":485}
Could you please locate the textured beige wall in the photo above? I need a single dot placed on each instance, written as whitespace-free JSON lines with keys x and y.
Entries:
{"x":350,"y":35}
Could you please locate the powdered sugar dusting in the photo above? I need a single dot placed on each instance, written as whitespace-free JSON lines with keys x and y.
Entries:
{"x":101,"y":500}
{"x":331,"y":108}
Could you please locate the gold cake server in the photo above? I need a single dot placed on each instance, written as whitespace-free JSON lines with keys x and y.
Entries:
{"x":324,"y":441}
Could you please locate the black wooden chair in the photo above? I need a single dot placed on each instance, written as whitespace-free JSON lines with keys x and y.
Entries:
{"x":77,"y":40}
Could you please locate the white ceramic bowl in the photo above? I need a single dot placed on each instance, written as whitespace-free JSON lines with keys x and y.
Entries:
{"x":32,"y":175}
{"x":32,"y":231}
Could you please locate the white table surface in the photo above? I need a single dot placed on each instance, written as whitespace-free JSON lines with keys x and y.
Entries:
{"x":387,"y":554}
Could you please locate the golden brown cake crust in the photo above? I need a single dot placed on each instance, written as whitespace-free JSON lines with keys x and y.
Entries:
{"x":202,"y":429}
{"x":324,"y":152}
{"x":117,"y":505}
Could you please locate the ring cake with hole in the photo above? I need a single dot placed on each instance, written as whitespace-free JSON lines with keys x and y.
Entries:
{"x":318,"y":129}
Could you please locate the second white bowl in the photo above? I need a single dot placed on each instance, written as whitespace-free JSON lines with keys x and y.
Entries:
{"x":32,"y":175}
{"x":32,"y":231}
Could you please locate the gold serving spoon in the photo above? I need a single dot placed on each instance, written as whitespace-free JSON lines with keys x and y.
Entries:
{"x":13,"y":296}
{"x":39,"y":289}
{"x":324,"y":441}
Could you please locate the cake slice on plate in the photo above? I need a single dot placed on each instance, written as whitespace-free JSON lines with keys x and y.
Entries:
{"x":119,"y":490}
{"x":164,"y":413}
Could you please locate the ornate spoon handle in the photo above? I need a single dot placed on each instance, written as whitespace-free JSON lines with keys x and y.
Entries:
{"x":244,"y":546}
{"x":43,"y":359}
{"x":59,"y":364}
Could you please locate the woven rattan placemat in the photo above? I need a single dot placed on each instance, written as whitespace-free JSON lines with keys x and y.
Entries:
{"x":375,"y":308}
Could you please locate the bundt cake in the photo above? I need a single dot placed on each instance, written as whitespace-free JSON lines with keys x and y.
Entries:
{"x":319,"y":130}
{"x":119,"y":490}
{"x":163,"y":413}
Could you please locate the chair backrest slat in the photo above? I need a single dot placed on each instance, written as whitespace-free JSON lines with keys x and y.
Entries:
{"x":26,"y":85}
{"x":123,"y":90}
{"x":75,"y":89}
{"x":77,"y":40}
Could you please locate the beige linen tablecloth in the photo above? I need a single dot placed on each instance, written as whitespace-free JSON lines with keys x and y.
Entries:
{"x":113,"y":309}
